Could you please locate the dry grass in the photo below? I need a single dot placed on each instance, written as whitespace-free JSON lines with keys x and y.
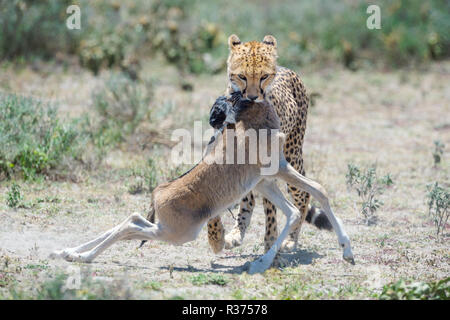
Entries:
{"x":361,"y":117}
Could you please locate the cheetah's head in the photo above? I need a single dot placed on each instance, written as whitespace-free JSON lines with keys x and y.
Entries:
{"x":251,"y":66}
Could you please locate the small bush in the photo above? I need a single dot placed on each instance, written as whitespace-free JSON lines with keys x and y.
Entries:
{"x":13,"y":196}
{"x":150,"y":175}
{"x":121,"y":104}
{"x":55,"y":288}
{"x":438,"y":152}
{"x":137,"y":186}
{"x":177,"y":171}
{"x":35,"y":28}
{"x":438,"y":206}
{"x":153,"y":285}
{"x":200,"y":51}
{"x":145,"y":178}
{"x":113,"y":34}
{"x":400,"y":290}
{"x":204,"y":279}
{"x":368,"y":186}
{"x":32,"y":137}
{"x":192,"y":34}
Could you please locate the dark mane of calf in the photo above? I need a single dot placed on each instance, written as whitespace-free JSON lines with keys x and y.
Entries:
{"x":219,"y":112}
{"x":225,"y":110}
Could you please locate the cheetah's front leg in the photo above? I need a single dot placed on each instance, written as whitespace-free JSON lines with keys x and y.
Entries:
{"x":236,"y":235}
{"x":216,"y":233}
{"x":216,"y":230}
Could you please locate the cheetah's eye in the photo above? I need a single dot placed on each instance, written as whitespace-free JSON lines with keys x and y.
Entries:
{"x":242,"y":77}
{"x":264,"y":77}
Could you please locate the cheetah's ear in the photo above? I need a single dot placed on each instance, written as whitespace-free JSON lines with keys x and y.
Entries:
{"x":270,"y":40}
{"x":233,"y":41}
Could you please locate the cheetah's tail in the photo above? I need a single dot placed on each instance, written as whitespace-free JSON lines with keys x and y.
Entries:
{"x":318,"y":218}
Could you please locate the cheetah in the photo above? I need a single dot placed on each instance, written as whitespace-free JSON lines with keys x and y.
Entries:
{"x":183,"y":206}
{"x":252,"y":70}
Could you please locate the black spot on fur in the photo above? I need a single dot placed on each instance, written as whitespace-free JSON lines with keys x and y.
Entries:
{"x":321,"y":221}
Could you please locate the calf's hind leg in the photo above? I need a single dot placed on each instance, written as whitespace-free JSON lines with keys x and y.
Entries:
{"x":134,"y":227}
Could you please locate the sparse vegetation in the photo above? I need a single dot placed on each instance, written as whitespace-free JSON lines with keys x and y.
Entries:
{"x":203,"y":279}
{"x":177,"y":171}
{"x":33,"y":139}
{"x":368,"y":187}
{"x":438,"y":152}
{"x":402,"y":290}
{"x":14,"y":196}
{"x":55,"y":288}
{"x":192,"y":35}
{"x":315,"y":271}
{"x":33,"y":29}
{"x":121,"y":105}
{"x":153,"y":285}
{"x":438,"y":206}
{"x":145,"y":178}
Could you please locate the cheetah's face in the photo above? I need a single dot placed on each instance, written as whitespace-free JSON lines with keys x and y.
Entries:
{"x":252,"y":66}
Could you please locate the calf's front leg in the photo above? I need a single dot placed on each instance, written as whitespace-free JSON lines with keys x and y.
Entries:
{"x":291,"y":176}
{"x":134,"y":227}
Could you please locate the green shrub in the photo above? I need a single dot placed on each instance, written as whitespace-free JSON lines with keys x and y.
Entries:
{"x":113,"y":33}
{"x":123,"y":101}
{"x":203,"y":279}
{"x":55,"y":288}
{"x":192,"y":34}
{"x":35,"y":28}
{"x":203,"y":50}
{"x":438,"y":206}
{"x":146,"y":178}
{"x":400,"y":290}
{"x":32,"y":137}
{"x":121,"y":105}
{"x":438,"y":152}
{"x":177,"y":171}
{"x":152,"y":285}
{"x":320,"y":31}
{"x":368,"y":186}
{"x":137,"y":186}
{"x":13,"y":196}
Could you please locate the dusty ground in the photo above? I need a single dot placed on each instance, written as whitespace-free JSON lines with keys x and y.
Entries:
{"x":391,"y":118}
